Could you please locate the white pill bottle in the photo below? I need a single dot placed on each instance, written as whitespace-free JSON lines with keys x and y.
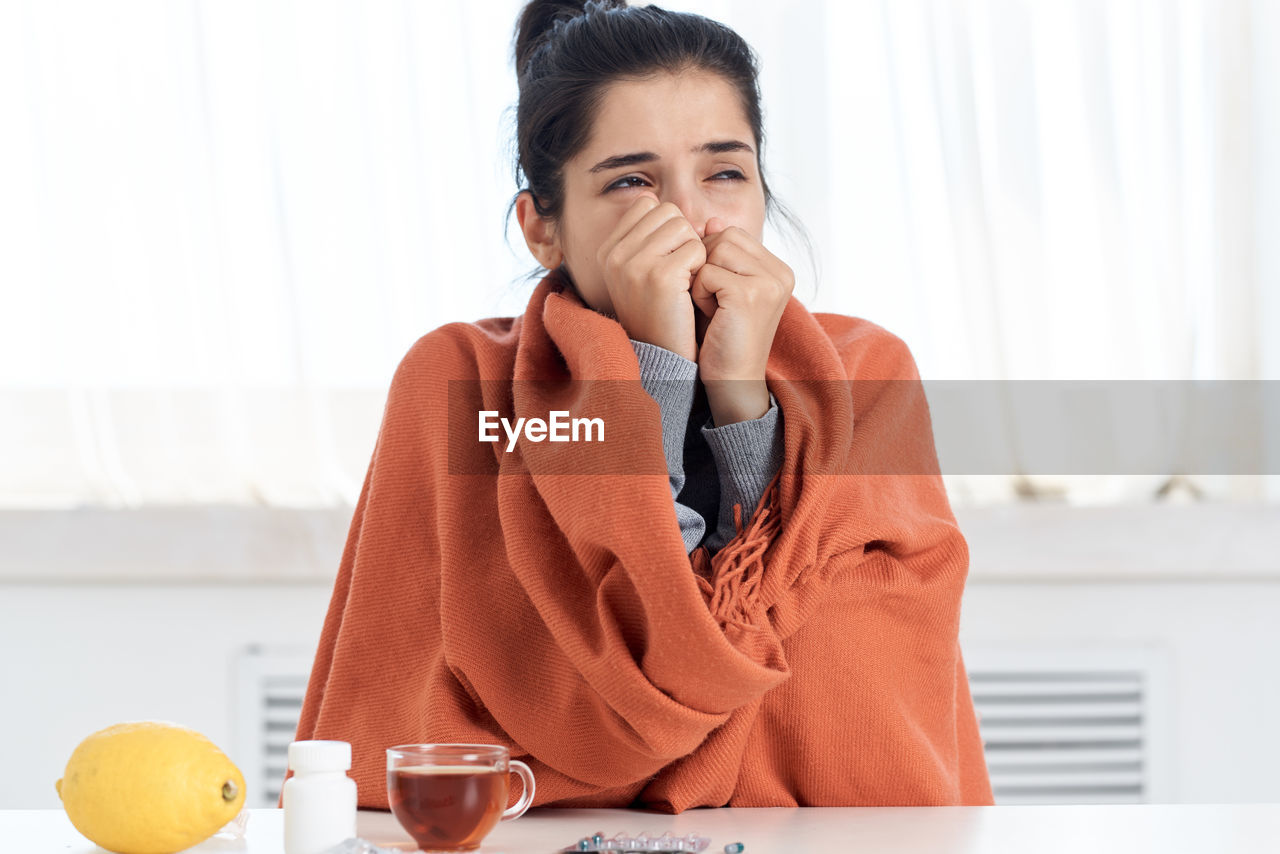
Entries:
{"x":319,"y":799}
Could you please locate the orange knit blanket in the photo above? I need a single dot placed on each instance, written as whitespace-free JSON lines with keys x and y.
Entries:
{"x":542,"y":599}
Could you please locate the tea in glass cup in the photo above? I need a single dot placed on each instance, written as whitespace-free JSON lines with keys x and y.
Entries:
{"x":449,"y":796}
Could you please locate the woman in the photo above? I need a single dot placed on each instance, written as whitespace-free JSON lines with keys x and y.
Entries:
{"x":709,"y":605}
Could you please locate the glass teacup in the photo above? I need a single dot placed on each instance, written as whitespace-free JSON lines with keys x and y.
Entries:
{"x":449,"y":796}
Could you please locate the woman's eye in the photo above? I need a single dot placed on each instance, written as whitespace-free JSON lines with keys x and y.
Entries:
{"x":620,"y":183}
{"x":732,"y":175}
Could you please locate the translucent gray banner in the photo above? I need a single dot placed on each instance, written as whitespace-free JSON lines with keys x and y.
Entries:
{"x":1106,"y":427}
{"x":882,"y":427}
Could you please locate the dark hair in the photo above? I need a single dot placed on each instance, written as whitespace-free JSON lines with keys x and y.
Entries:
{"x":567,"y":52}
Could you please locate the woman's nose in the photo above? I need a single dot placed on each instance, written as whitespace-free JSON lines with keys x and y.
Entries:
{"x":690,"y":206}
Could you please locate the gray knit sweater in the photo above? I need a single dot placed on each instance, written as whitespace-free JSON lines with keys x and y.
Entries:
{"x":710,"y":468}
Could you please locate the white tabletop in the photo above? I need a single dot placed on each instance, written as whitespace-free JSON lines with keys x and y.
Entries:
{"x":1154,"y":828}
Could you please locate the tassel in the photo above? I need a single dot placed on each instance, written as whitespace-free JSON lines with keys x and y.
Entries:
{"x":729,"y":579}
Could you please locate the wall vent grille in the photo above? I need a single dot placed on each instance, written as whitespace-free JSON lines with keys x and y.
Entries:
{"x":271,"y":684}
{"x":1071,"y":726}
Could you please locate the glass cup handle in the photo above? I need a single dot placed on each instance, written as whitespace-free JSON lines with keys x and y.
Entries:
{"x":518,"y":767}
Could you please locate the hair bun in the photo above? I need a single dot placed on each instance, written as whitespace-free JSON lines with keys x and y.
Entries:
{"x":539,"y":18}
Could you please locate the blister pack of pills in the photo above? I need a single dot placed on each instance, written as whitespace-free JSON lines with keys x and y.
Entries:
{"x":644,"y":843}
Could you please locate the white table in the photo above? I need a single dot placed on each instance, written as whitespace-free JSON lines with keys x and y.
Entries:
{"x":1153,"y":828}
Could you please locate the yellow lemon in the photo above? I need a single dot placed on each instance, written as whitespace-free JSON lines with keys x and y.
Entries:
{"x":149,"y":787}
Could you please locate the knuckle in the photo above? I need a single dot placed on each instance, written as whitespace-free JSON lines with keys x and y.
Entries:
{"x":612,"y":265}
{"x":656,"y":273}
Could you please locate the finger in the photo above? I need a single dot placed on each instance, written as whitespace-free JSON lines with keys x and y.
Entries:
{"x":733,"y":257}
{"x":733,"y":234}
{"x":685,"y":259}
{"x":700,"y":323}
{"x":680,"y":230}
{"x":755,"y":256}
{"x":702,"y":301}
{"x":710,"y":280}
{"x":736,"y":236}
{"x":632,"y":215}
{"x":715,"y":225}
{"x":668,"y":237}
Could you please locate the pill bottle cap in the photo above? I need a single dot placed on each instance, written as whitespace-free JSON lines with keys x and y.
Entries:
{"x":310,"y":757}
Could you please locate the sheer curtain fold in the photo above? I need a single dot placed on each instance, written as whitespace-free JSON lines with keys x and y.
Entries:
{"x":229,"y":220}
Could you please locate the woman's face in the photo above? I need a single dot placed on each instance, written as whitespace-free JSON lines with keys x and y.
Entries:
{"x":663,"y":137}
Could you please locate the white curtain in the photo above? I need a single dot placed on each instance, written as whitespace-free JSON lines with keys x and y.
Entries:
{"x":225,"y":222}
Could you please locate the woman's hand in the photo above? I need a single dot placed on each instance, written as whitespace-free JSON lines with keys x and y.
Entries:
{"x":741,"y":290}
{"x":648,"y":262}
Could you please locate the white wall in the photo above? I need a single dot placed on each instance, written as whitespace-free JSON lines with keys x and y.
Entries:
{"x":79,"y":657}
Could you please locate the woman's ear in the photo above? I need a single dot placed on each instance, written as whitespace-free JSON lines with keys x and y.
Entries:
{"x":539,"y":234}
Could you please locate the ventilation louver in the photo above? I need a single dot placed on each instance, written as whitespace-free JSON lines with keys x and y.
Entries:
{"x":1067,"y":727}
{"x":272,"y":682}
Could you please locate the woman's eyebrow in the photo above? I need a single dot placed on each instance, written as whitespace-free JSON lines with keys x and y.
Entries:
{"x":716,"y":147}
